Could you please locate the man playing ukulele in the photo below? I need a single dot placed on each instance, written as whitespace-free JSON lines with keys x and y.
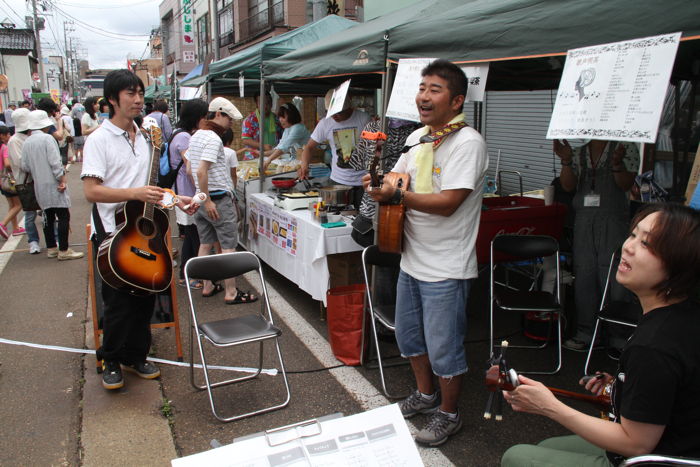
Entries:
{"x":443,"y":205}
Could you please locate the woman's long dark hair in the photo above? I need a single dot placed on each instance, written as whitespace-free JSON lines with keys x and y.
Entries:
{"x":90,"y":107}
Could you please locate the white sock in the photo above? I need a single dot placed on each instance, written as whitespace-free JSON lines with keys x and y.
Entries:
{"x":451,"y":416}
{"x":428,"y":397}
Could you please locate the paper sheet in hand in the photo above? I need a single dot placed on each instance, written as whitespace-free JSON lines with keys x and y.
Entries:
{"x":614,"y":91}
{"x":377,"y":437}
{"x":338,"y":100}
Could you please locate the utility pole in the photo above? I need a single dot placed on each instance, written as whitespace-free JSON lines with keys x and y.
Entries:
{"x":69,"y":79}
{"x":164,"y":47}
{"x":37,"y":41}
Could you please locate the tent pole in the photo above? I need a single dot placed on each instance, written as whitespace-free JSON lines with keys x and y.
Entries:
{"x":261,"y":132}
{"x":385,"y":83}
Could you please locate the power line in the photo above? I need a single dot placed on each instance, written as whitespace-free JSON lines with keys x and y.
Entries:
{"x":13,"y":11}
{"x":106,"y":7}
{"x":96,"y":29}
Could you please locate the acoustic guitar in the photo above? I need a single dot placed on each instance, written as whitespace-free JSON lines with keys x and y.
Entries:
{"x":135,"y":257}
{"x":390,"y":216}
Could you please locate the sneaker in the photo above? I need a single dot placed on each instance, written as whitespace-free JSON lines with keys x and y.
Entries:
{"x":19,"y":231}
{"x":69,"y":254}
{"x":52,"y":252}
{"x":112,"y":375}
{"x":3,"y":231}
{"x":34,"y":248}
{"x":146,"y":370}
{"x":577,"y":345}
{"x":416,"y":403}
{"x":440,"y":427}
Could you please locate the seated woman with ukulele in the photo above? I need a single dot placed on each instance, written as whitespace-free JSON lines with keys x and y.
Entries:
{"x":654,"y":396}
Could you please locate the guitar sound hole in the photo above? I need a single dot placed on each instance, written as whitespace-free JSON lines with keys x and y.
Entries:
{"x":146,"y":227}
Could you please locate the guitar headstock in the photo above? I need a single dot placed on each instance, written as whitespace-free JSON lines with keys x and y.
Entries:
{"x":379,"y":138}
{"x":156,"y":136}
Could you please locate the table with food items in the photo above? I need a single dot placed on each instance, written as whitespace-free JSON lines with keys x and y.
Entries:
{"x":294,"y":234}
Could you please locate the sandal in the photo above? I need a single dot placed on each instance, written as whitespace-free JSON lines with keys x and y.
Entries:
{"x":217,"y":288}
{"x":242,"y":297}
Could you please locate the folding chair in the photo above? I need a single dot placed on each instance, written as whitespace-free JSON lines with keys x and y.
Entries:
{"x":507,"y":298}
{"x":382,"y":313}
{"x":239,"y":330}
{"x":618,"y":307}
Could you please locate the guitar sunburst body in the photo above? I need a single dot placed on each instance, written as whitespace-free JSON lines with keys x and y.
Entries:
{"x":135,"y":257}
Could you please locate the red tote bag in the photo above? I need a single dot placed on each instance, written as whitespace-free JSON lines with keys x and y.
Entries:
{"x":345,"y":314}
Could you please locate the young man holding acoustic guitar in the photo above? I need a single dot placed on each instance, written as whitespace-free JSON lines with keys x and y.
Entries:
{"x":443,"y":206}
{"x":116,"y":169}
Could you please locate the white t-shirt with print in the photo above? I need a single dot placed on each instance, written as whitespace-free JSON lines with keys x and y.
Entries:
{"x":436,"y":247}
{"x":206,"y":145}
{"x":348,"y":131}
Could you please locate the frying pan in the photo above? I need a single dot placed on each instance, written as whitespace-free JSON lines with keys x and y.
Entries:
{"x":284,"y":182}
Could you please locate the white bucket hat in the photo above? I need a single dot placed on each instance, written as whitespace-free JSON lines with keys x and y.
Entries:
{"x":38,"y":119}
{"x":20,"y":118}
{"x":223,"y":105}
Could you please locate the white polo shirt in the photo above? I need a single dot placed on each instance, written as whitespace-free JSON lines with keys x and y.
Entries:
{"x":109,"y":156}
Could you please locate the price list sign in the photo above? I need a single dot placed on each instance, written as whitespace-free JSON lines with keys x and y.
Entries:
{"x":614,"y":91}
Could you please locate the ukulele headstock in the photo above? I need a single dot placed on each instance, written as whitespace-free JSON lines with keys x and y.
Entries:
{"x":380,"y":139}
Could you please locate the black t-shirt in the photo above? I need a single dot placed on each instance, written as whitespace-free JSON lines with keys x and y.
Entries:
{"x":658,"y":379}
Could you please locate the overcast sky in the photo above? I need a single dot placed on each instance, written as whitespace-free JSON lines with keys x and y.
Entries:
{"x":109,"y":33}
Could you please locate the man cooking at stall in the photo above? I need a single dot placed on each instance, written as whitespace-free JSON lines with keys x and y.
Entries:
{"x":443,"y":207}
{"x":342,"y":132}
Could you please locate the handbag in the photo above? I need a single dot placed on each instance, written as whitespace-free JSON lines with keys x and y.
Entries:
{"x":8,"y":183}
{"x":26,"y":194}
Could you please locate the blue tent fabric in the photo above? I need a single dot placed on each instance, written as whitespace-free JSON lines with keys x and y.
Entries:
{"x":192,"y":74}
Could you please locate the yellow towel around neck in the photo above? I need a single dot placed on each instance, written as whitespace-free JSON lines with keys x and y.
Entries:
{"x":424,"y":160}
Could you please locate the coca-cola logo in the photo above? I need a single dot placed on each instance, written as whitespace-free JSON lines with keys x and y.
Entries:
{"x":520,"y":231}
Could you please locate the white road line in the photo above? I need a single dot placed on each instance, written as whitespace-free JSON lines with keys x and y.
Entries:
{"x":352,"y":380}
{"x":10,"y":244}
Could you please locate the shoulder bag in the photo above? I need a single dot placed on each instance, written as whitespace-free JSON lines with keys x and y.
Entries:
{"x":26,"y":194}
{"x":7,"y":182}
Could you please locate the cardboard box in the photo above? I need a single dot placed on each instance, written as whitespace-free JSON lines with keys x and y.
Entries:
{"x":317,"y":155}
{"x":345,"y":269}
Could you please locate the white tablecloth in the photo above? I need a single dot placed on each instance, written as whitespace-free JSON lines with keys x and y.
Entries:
{"x":309,"y":268}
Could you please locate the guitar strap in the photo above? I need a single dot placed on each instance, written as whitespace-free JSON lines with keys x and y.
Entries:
{"x":438,"y":136}
{"x":100,"y":233}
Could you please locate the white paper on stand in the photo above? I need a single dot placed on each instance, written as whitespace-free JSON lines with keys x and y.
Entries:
{"x":338,"y":100}
{"x":374,"y":438}
{"x":614,"y":91}
{"x":476,"y":76}
{"x":402,"y":103}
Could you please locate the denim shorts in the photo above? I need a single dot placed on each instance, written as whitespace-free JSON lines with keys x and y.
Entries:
{"x":431,"y":317}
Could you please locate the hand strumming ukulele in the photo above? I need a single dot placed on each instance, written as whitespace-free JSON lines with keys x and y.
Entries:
{"x":135,"y":257}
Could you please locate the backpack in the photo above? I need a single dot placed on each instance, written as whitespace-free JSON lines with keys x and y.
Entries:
{"x":77,"y":127}
{"x":166,"y":174}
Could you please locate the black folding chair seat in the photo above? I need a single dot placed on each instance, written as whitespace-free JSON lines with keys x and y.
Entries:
{"x":516,"y":300}
{"x":248,"y":328}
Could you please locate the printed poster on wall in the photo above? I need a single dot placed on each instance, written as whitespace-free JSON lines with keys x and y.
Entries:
{"x":614,"y":91}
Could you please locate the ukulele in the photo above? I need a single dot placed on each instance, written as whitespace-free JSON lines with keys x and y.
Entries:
{"x":135,"y":257}
{"x":500,"y":377}
{"x":390,"y":216}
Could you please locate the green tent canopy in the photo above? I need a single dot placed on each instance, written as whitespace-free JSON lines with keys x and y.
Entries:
{"x":249,"y":60}
{"x":500,"y":32}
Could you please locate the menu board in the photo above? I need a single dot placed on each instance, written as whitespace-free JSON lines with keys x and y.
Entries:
{"x":614,"y":91}
{"x":276,"y":225}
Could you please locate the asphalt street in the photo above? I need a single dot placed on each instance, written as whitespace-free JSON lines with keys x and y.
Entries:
{"x":55,"y":412}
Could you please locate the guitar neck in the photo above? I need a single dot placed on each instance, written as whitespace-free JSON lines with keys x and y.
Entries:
{"x":155,"y":138}
{"x":602,"y":401}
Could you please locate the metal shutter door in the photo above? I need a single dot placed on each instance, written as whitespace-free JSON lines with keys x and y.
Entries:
{"x":516,"y":123}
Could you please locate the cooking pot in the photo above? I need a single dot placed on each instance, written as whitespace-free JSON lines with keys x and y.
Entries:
{"x":336,"y":195}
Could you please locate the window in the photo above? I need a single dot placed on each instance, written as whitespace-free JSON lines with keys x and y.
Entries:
{"x":263,"y":14}
{"x":203,"y":42}
{"x":225,"y":22}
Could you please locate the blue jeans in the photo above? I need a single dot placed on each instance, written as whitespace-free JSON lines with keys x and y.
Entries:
{"x":431,"y":317}
{"x":30,"y":226}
